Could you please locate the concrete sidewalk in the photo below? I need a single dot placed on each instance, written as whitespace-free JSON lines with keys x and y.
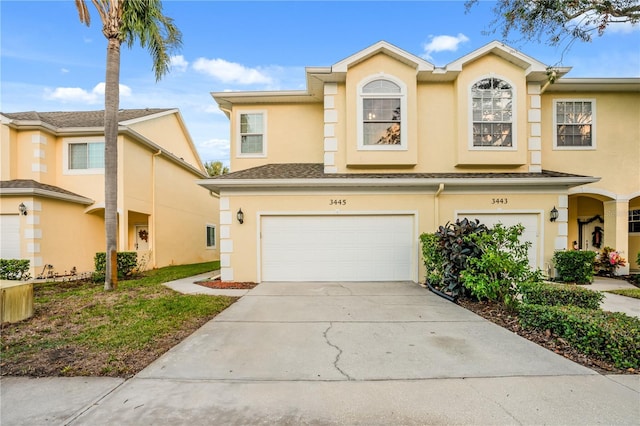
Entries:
{"x":340,"y":353}
{"x":615,"y":302}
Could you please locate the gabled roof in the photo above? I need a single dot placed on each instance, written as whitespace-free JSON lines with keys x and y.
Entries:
{"x":67,"y":119}
{"x":388,"y":49}
{"x":72,"y":123}
{"x":532,"y":66}
{"x":312,"y":175}
{"x":425,"y":71}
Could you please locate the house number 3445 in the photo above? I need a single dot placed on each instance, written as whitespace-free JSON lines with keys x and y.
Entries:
{"x":337,"y":202}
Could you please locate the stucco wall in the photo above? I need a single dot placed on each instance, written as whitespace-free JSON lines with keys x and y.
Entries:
{"x":241,"y":247}
{"x":616,"y":136}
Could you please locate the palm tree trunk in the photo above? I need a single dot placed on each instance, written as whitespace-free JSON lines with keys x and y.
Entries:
{"x":112,"y":102}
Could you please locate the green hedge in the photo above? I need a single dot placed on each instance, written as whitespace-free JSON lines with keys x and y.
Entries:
{"x":14,"y":269}
{"x":127,"y":262}
{"x":576,"y":266}
{"x":560,"y":295}
{"x":610,"y":336}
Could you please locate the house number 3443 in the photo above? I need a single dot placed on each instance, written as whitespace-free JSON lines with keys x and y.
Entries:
{"x":337,"y":202}
{"x":499,"y":201}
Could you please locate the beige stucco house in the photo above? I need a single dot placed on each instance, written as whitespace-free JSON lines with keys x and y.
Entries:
{"x":52,"y":190}
{"x":338,"y":181}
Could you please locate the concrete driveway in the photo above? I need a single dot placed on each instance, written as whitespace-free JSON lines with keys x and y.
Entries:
{"x":360,"y":353}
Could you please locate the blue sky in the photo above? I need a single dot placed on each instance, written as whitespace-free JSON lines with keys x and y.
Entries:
{"x":49,"y":61}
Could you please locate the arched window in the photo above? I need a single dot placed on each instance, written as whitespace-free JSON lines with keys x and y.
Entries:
{"x":492,"y":109}
{"x":381,"y":108}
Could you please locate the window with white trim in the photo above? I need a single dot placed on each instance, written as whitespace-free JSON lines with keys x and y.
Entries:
{"x":492,"y":112}
{"x":84,"y":156}
{"x":252,"y":134}
{"x":211,"y":236}
{"x":382,"y":102}
{"x":574,"y":123}
{"x":634,"y":220}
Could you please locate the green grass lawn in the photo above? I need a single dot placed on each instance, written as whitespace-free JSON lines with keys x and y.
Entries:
{"x":80,"y":329}
{"x":629,"y":292}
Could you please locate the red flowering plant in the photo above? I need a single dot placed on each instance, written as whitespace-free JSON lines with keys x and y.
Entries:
{"x":608,"y":261}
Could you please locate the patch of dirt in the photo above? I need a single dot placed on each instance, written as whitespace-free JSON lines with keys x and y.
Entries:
{"x":231,"y":285}
{"x":60,"y":319}
{"x":497,"y":314}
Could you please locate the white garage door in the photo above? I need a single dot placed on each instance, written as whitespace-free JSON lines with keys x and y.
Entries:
{"x":9,"y":236}
{"x":528,"y":220}
{"x":337,"y":248}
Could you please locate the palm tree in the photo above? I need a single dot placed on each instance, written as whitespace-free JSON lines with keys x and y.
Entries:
{"x":216,"y":168}
{"x":125,"y":21}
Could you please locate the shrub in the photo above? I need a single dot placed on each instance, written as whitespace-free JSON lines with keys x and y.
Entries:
{"x":432,"y":258}
{"x":127,"y":262}
{"x":14,"y":269}
{"x":610,"y":336}
{"x":561,"y":295}
{"x":456,"y":251}
{"x":575,"y":266}
{"x":502,"y":266}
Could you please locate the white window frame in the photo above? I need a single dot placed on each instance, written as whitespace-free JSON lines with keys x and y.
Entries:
{"x":593,"y":125}
{"x":631,"y":210}
{"x":215,"y":236}
{"x":239,"y":153}
{"x":514,"y":117}
{"x":403,"y":112}
{"x":66,"y":170}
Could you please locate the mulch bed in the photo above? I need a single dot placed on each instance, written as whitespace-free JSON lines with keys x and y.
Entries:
{"x":497,"y":314}
{"x":228,"y":285}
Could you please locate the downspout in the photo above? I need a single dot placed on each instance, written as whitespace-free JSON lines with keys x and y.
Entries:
{"x":436,"y":218}
{"x":153,"y":207}
{"x":436,"y":204}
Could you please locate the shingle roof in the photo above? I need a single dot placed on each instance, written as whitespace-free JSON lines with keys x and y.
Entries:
{"x":30,"y":185}
{"x":63,"y":119}
{"x":316,"y":171}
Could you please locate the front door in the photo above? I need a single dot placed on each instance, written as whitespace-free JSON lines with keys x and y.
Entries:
{"x":142,"y":238}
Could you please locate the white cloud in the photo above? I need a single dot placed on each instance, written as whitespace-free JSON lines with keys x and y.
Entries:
{"x":622,"y":27}
{"x":178,"y":63}
{"x":64,"y":70}
{"x":214,"y":150}
{"x":442,"y":43}
{"x":231,"y":72}
{"x":77,"y":94}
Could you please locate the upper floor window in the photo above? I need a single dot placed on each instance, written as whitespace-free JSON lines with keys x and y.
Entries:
{"x":492,"y":110}
{"x":574,"y":123}
{"x":634,"y":220}
{"x":382,"y":103}
{"x":252,"y":134}
{"x":86,"y":157}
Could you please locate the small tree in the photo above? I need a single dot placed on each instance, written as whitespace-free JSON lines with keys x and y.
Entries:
{"x":216,"y":168}
{"x":503,"y":266}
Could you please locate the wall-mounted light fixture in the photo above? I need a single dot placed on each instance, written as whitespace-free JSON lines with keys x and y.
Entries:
{"x":240,"y":216}
{"x":22,"y":209}
{"x":553,"y":214}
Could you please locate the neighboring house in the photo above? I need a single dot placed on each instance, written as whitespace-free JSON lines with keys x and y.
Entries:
{"x":52,"y":164}
{"x":338,"y":181}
